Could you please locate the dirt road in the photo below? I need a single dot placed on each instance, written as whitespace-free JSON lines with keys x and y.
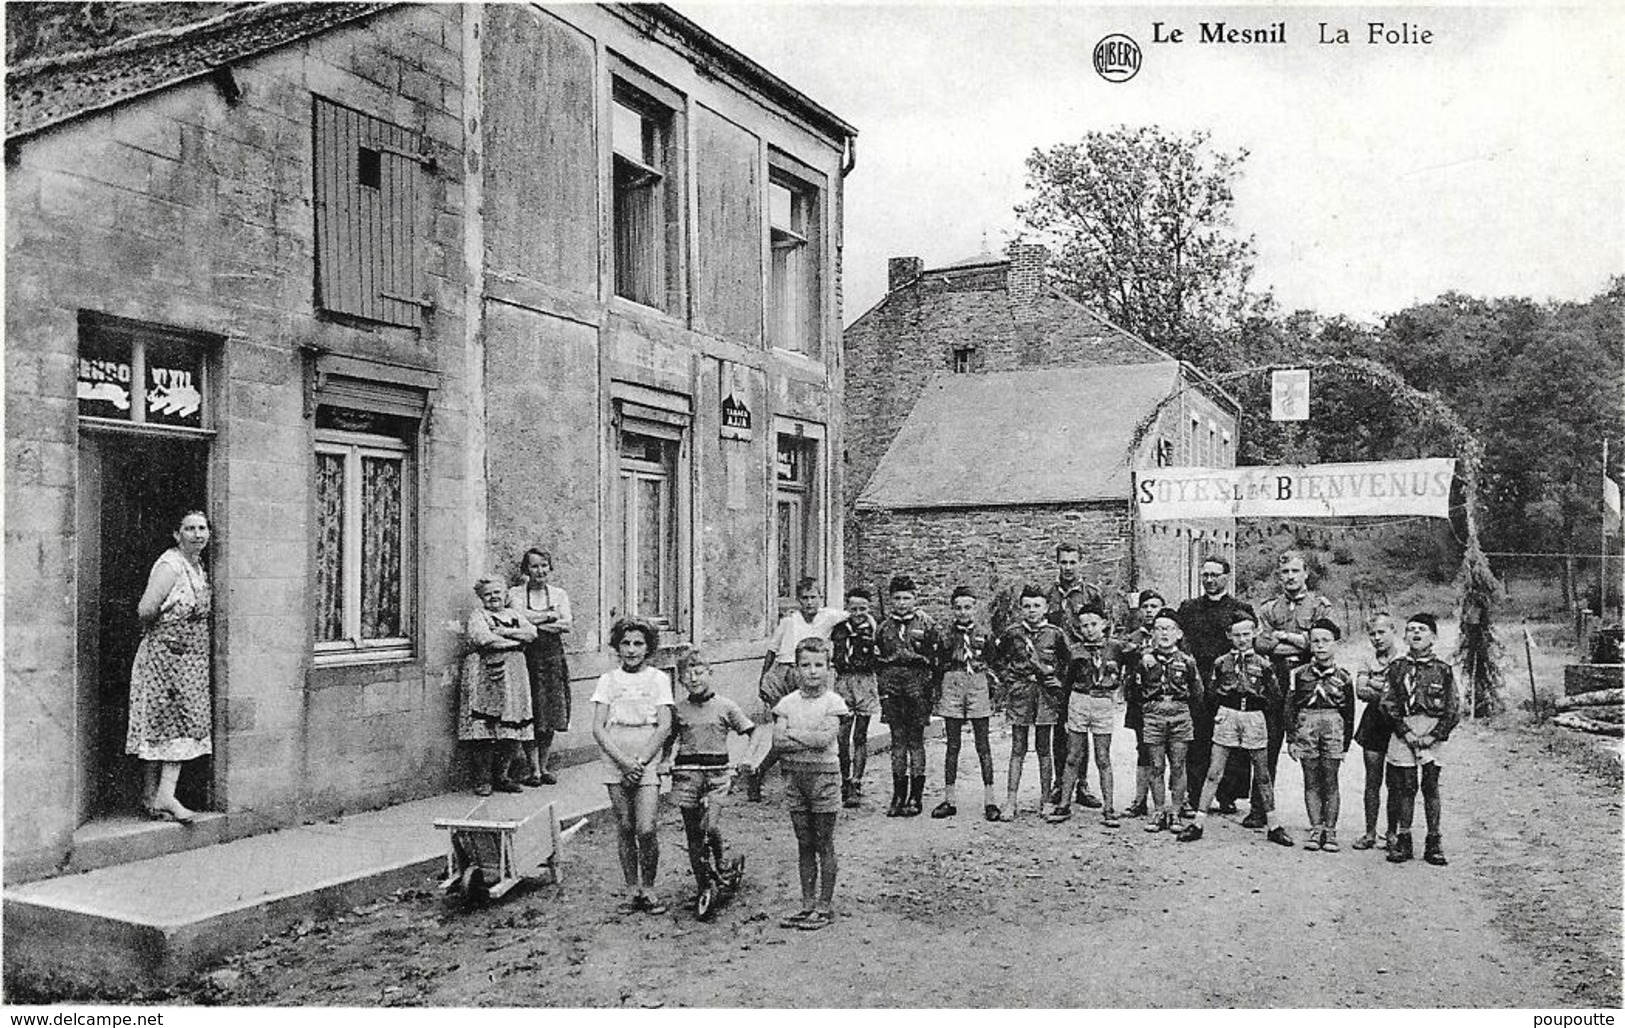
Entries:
{"x":965,"y":913}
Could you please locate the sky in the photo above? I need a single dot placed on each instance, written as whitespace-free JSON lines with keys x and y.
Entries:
{"x":1490,"y":161}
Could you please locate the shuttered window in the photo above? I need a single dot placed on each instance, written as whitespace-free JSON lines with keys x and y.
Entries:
{"x":367,"y":195}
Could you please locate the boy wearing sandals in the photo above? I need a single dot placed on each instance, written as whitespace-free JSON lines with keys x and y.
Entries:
{"x":1373,"y":731}
{"x":1091,"y":711}
{"x":1243,"y":688}
{"x":1422,"y":704}
{"x":805,"y":724}
{"x":1320,"y":718}
{"x":966,"y":695}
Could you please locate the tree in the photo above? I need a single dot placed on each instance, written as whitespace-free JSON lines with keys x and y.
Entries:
{"x":1138,"y":223}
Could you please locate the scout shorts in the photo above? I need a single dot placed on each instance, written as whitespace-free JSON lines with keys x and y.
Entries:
{"x":1091,"y":715}
{"x":1240,"y":729}
{"x":965,"y":695}
{"x":1400,"y":755}
{"x":1029,"y":704}
{"x":1374,"y":729}
{"x":690,"y":786}
{"x":1167,"y":722}
{"x":1318,"y":735}
{"x":816,"y":792}
{"x":902,"y":697}
{"x":861,"y":693}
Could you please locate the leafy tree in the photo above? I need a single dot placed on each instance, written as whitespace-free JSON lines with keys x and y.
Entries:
{"x":1138,"y":222}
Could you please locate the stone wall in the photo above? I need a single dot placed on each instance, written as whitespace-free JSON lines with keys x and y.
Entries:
{"x":987,"y":548}
{"x":183,"y":210}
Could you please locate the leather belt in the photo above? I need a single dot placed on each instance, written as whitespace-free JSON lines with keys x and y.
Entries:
{"x":1241,"y":702}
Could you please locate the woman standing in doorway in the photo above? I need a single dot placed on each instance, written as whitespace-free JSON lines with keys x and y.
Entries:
{"x":171,"y":716}
{"x":548,"y":608}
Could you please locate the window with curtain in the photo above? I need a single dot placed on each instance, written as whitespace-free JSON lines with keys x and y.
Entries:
{"x":364,"y":520}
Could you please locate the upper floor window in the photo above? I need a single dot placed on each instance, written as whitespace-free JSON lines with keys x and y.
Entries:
{"x":793,"y":219}
{"x":648,"y":200}
{"x":962,"y":359}
{"x":367,"y":199}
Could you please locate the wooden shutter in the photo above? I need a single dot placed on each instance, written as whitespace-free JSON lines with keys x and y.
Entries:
{"x":366,"y":215}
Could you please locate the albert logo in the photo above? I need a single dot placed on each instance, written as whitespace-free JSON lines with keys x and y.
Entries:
{"x":1117,"y":58}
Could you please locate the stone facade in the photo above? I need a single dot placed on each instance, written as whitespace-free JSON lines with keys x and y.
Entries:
{"x":191,"y":207}
{"x":990,"y":549}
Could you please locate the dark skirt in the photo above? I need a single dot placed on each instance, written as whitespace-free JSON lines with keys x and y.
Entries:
{"x":549,"y":682}
{"x":1374,"y":729}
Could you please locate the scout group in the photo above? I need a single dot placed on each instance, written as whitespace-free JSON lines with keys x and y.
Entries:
{"x":1212,"y":690}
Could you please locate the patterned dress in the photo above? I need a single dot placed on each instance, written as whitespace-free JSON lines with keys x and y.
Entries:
{"x":496,"y":685}
{"x":171,"y":715}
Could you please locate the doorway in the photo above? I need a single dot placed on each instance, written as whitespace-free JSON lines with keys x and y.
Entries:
{"x":133,"y":489}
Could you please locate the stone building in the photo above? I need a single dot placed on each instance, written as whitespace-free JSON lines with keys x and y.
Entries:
{"x":393,"y":292}
{"x":990,"y":416}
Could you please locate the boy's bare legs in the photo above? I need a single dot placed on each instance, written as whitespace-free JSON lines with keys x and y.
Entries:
{"x":1218,"y":761}
{"x":1373,"y":797}
{"x":1313,"y":805}
{"x":1103,"y":765}
{"x":954,"y":730}
{"x":1046,"y":759}
{"x":823,"y":826}
{"x":860,"y":747}
{"x":694,"y":831}
{"x":1331,"y":797}
{"x":807,"y":854}
{"x":1077,"y":751}
{"x":1176,"y":769}
{"x":843,"y":740}
{"x":1018,"y":757}
{"x":1158,"y":758}
{"x":1077,"y":746}
{"x":984,"y":756}
{"x":1433,"y":808}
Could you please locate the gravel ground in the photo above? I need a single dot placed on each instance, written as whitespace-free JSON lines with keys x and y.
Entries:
{"x":960,"y":912}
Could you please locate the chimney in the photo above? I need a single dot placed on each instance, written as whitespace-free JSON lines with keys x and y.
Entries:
{"x":900,"y":271}
{"x":1025,"y":279}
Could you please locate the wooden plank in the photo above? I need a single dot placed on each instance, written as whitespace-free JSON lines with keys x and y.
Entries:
{"x":345,"y":167}
{"x":478,"y":823}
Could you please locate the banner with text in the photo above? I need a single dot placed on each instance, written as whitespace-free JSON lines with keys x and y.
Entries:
{"x":1410,"y":488}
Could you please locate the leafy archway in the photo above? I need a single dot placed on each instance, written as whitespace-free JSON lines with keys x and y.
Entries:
{"x":1477,"y":650}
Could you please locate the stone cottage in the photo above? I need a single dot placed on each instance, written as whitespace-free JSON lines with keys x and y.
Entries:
{"x":990,"y":417}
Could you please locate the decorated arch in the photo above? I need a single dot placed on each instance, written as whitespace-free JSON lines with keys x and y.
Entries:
{"x":1477,"y":651}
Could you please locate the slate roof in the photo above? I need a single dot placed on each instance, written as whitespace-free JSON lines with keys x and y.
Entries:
{"x":1051,"y":435}
{"x":60,"y":87}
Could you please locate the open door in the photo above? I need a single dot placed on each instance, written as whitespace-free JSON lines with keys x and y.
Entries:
{"x":133,"y":489}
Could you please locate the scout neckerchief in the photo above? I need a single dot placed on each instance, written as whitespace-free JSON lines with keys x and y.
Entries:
{"x":968,"y":632}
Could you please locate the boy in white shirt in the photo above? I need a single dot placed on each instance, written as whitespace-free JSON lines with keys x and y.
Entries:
{"x":805,"y":728}
{"x":811,"y":619}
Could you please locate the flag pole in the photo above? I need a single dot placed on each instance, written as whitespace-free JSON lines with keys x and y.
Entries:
{"x":1602,"y":568}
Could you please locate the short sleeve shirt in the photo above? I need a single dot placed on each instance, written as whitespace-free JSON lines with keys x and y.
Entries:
{"x":633,"y":698}
{"x":793,"y":628}
{"x":703,"y":729}
{"x":822,"y":712}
